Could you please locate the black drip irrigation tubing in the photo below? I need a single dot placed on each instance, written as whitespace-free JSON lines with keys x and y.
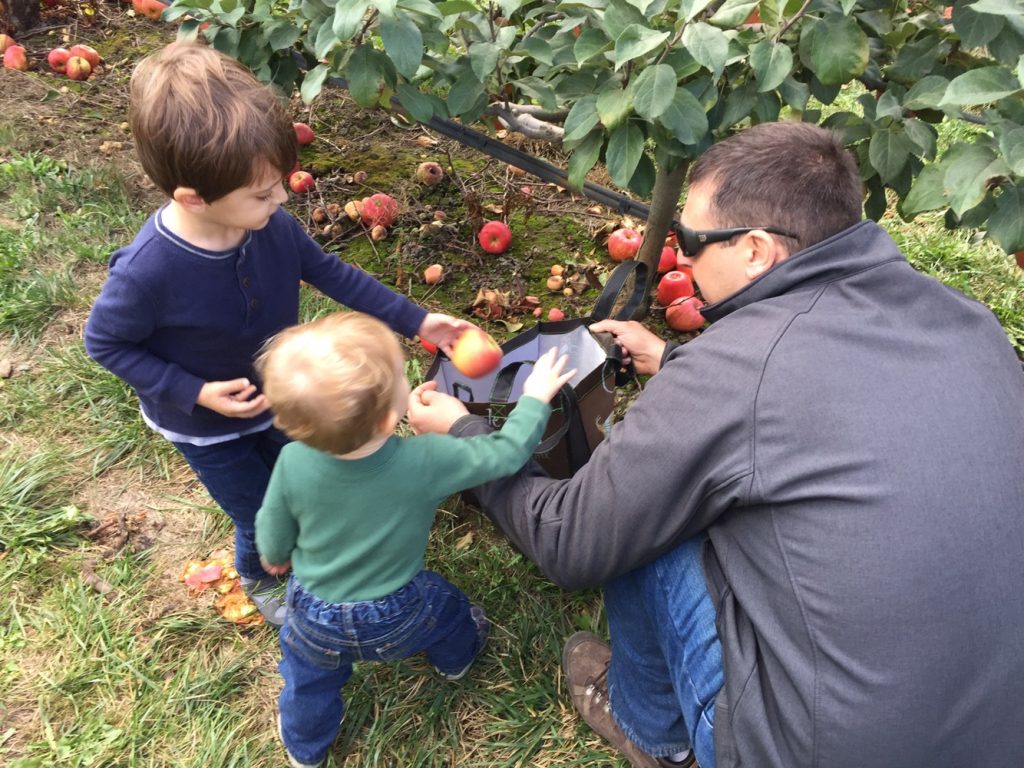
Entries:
{"x":544,"y":170}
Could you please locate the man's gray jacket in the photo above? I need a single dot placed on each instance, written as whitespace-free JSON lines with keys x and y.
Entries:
{"x":850,"y":433}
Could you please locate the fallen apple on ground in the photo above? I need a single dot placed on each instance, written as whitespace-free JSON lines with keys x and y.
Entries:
{"x":475,"y":353}
{"x":667,"y":262}
{"x":15,"y":58}
{"x":301,"y":182}
{"x":58,"y":60}
{"x":432,"y":275}
{"x":303,"y":133}
{"x":684,"y":314}
{"x":379,"y":208}
{"x":495,"y":237}
{"x":555,"y":314}
{"x":6,"y":41}
{"x":623,"y":243}
{"x":429,"y":173}
{"x":674,"y":285}
{"x":86,"y":52}
{"x":78,"y":68}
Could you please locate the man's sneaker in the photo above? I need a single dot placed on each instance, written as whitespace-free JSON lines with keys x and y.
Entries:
{"x":483,"y":631}
{"x":267,"y":595}
{"x":585,"y":660}
{"x":291,"y":759}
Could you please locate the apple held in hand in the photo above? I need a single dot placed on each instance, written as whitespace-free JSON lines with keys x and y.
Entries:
{"x":379,"y":209}
{"x":303,"y":133}
{"x":78,"y":68}
{"x":475,"y":353}
{"x":674,"y":285}
{"x":301,"y":182}
{"x":624,"y":243}
{"x":667,"y":262}
{"x":15,"y":58}
{"x":495,"y":237}
{"x":684,"y":314}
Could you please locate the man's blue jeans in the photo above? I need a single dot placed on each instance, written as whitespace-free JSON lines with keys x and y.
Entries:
{"x":236,"y":473}
{"x":320,"y":641}
{"x":666,"y":664}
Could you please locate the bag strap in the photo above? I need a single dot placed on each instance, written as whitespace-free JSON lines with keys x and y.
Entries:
{"x":613,"y":289}
{"x":572,"y":428}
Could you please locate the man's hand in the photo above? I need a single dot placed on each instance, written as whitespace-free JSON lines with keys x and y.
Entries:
{"x":443,"y":330}
{"x":638,"y":344}
{"x":232,"y":398}
{"x":433,"y":411}
{"x":276,"y":570}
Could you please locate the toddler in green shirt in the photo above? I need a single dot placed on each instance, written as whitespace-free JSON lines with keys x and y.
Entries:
{"x":349,"y":509}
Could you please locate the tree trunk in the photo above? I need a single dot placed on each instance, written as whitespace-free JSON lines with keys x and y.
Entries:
{"x":668,"y":185}
{"x":19,"y":15}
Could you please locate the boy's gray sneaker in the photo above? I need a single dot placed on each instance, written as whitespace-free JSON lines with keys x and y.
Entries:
{"x":267,"y":595}
{"x":585,"y":660}
{"x":483,"y":631}
{"x":291,"y":759}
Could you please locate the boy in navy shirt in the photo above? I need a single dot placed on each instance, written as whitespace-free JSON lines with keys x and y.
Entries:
{"x":214,"y":273}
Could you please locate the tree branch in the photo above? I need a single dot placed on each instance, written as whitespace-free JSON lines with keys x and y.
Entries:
{"x":528,"y":125}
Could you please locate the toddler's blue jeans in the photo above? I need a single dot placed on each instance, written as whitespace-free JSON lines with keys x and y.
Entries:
{"x":666,"y":657}
{"x":236,"y":473}
{"x":320,"y":641}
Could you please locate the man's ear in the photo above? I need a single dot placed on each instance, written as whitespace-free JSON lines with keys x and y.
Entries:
{"x":188,"y":198}
{"x":762,"y":253}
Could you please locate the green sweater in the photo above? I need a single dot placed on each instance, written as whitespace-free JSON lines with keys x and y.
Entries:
{"x":357,"y":529}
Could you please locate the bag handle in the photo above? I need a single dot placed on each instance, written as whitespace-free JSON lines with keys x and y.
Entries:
{"x":613,"y":289}
{"x":572,"y":428}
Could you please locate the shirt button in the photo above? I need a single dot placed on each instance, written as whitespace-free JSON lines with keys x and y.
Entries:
{"x":253,"y":303}
{"x":245,"y":282}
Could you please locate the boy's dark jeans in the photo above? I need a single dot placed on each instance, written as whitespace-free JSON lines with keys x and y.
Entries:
{"x":321,"y":640}
{"x":236,"y":474}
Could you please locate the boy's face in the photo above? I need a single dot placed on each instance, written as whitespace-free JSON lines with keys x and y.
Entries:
{"x":252,"y":206}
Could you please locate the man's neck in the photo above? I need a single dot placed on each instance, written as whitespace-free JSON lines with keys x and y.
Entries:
{"x":199,"y":231}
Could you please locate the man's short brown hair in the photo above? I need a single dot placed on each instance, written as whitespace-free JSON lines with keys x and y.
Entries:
{"x":332,"y":382}
{"x":794,"y":176}
{"x":200,"y":119}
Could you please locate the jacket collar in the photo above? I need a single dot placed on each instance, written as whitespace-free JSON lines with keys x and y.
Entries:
{"x":859,"y":247}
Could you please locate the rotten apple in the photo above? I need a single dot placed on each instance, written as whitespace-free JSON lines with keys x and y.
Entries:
{"x":429,"y":173}
{"x":379,"y":208}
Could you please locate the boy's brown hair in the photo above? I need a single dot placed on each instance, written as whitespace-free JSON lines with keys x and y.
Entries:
{"x":332,"y":382}
{"x":794,"y":176}
{"x":200,"y":119}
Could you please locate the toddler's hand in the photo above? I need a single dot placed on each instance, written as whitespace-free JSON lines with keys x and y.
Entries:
{"x":547,"y":378}
{"x":276,"y":570}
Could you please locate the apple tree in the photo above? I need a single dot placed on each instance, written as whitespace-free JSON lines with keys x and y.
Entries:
{"x":645,"y":86}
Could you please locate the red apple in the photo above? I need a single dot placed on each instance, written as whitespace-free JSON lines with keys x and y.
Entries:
{"x":674,"y":285}
{"x":58,"y":60}
{"x":430,"y":346}
{"x":88,"y":53}
{"x":475,"y":353}
{"x":495,"y":237}
{"x":379,"y":209}
{"x":623,"y":244}
{"x":78,"y":68}
{"x":15,"y":58}
{"x":303,"y":133}
{"x":154,"y":9}
{"x":429,"y":173}
{"x":684,"y":314}
{"x":681,"y":267}
{"x":555,"y":314}
{"x":301,"y":182}
{"x":432,"y":275}
{"x":6,"y":41}
{"x":667,"y":262}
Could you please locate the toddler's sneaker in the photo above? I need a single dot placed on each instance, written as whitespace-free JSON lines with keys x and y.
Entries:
{"x":483,"y":631}
{"x":291,"y":759}
{"x":266,"y":594}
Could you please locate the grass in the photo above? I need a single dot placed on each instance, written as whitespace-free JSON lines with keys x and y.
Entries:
{"x":103,"y":659}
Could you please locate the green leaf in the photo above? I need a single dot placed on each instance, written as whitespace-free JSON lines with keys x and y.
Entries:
{"x":976,"y":29}
{"x":464,"y":93}
{"x":771,"y":63}
{"x":612,"y":106}
{"x":967,"y":175}
{"x":839,"y":49}
{"x":738,"y":105}
{"x":928,"y":192}
{"x":635,"y":41}
{"x":483,"y":58}
{"x":625,"y":146}
{"x":685,"y":118}
{"x":386,"y":8}
{"x":281,"y":34}
{"x":584,"y":158}
{"x":923,"y":136}
{"x":313,"y":82}
{"x":619,"y":15}
{"x":642,"y":181}
{"x":364,"y":75}
{"x":926,"y":93}
{"x":580,"y":121}
{"x":1006,"y":225}
{"x":348,"y":18}
{"x":689,"y":9}
{"x":795,"y":93}
{"x":403,"y":42}
{"x":423,"y":7}
{"x":1012,"y":145}
{"x":538,"y":49}
{"x":918,"y":59}
{"x":888,"y":151}
{"x":454,"y":7}
{"x":732,"y":13}
{"x":590,"y":43}
{"x":888,"y":106}
{"x":325,"y":40}
{"x":980,"y":86}
{"x":707,"y":45}
{"x":653,"y":90}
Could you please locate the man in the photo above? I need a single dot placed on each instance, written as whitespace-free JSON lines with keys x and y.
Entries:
{"x":810,"y":524}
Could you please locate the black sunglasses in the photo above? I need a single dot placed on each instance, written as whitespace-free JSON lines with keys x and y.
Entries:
{"x":692,"y":240}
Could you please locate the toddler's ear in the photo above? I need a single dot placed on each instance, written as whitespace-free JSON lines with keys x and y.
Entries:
{"x":187,"y":197}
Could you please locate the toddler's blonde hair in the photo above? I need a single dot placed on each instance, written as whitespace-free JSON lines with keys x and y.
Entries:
{"x":332,"y":381}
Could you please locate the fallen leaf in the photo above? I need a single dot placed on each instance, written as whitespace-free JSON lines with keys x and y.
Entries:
{"x":464,"y":541}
